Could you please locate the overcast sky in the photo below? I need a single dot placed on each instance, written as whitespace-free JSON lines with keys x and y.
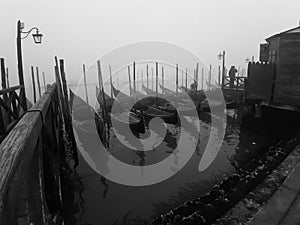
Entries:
{"x":82,"y":31}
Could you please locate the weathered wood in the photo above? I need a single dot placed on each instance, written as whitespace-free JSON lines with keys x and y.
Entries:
{"x":38,"y":81}
{"x":156,"y":86}
{"x":147,"y":71}
{"x":45,"y":86}
{"x":110,"y":78}
{"x":176,"y":80}
{"x":202,"y":77}
{"x":23,"y":165}
{"x":7,"y":90}
{"x":197,"y":69}
{"x":186,"y":79}
{"x":85,"y":87}
{"x":163,"y":79}
{"x":33,"y":85}
{"x":129,"y":79}
{"x":134,"y":87}
{"x":7,"y":78}
{"x":209,"y":81}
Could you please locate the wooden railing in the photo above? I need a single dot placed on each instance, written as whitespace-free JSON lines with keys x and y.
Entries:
{"x":30,"y":158}
{"x":33,"y":154}
{"x":11,"y":109}
{"x":12,"y":102}
{"x":238,"y":83}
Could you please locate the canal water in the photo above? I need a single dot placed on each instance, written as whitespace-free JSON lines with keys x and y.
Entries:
{"x":94,"y":200}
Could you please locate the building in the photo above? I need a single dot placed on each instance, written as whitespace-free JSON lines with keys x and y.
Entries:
{"x":276,"y":78}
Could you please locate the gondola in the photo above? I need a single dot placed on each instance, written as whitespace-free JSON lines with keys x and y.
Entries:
{"x":123,"y":116}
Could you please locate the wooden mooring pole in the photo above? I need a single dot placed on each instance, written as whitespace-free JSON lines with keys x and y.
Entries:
{"x":45,"y":86}
{"x":33,"y":84}
{"x":129,"y":80}
{"x":38,"y":81}
{"x":7,"y":78}
{"x":85,"y":87}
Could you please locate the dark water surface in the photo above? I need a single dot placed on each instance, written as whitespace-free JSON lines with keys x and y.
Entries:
{"x":96,"y":200}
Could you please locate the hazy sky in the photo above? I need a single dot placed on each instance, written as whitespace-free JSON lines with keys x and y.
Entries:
{"x":82,"y":31}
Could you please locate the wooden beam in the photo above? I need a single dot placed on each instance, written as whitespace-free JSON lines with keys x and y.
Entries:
{"x":38,"y":81}
{"x":7,"y":78}
{"x":129,"y":79}
{"x":45,"y":86}
{"x":85,"y":87}
{"x":33,"y":84}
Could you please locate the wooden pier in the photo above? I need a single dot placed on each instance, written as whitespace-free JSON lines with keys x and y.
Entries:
{"x":37,"y":144}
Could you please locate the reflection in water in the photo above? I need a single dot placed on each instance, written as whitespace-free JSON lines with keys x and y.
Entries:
{"x":136,"y":205}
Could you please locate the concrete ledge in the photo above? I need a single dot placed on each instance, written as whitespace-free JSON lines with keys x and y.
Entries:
{"x":276,"y":209}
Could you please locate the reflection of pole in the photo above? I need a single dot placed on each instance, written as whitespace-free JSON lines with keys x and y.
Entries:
{"x":20,"y":65}
{"x":85,"y":87}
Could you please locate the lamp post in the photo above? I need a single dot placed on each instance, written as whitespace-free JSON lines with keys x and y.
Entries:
{"x":221,"y":56}
{"x":37,"y":37}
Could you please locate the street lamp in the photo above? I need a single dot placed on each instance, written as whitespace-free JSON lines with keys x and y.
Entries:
{"x":221,"y":56}
{"x":37,"y":37}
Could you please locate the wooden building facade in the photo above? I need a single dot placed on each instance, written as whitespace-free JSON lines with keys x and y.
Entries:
{"x":282,"y":50}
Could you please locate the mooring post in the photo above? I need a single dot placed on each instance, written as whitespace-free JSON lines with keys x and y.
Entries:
{"x":7,"y":78}
{"x":176,"y":80}
{"x":3,"y":79}
{"x":163,"y":80}
{"x":202,"y":77}
{"x":152,"y":77}
{"x":219,"y":75}
{"x":111,"y":84}
{"x":104,"y":108}
{"x":186,"y":81}
{"x":156,"y":90}
{"x":129,"y":79}
{"x":85,"y":87}
{"x":68,"y":118}
{"x":33,"y":85}
{"x":38,"y":81}
{"x":134,"y":88}
{"x":5,"y":97}
{"x":210,"y":70}
{"x":197,"y":68}
{"x":147,"y":71}
{"x":45,"y":86}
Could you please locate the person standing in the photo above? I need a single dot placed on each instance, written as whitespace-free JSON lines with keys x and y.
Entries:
{"x":232,"y":73}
